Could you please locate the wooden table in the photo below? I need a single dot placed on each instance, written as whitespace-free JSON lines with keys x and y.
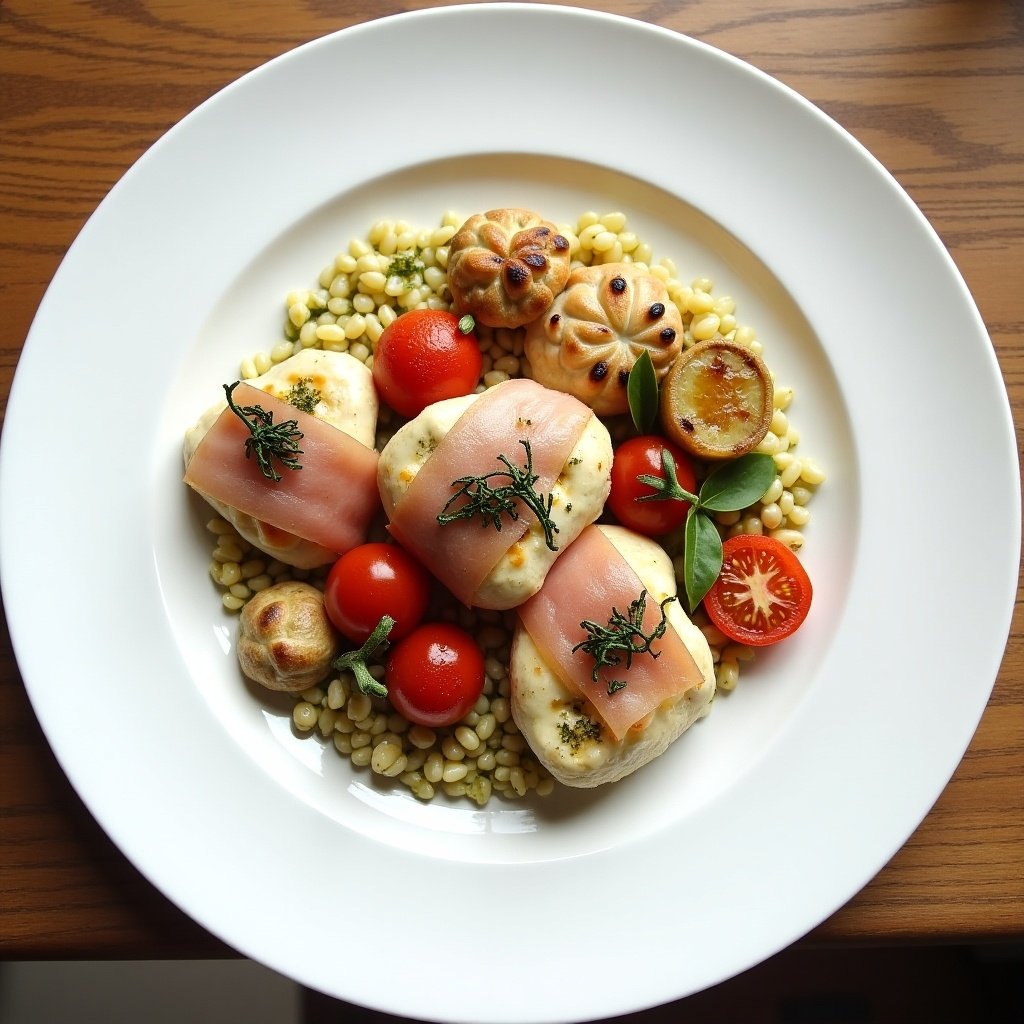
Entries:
{"x":935,"y":89}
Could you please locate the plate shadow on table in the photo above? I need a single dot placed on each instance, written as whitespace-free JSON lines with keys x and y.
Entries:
{"x":824,"y":985}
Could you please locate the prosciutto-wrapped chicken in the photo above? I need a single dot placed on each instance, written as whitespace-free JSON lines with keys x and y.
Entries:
{"x":592,"y":717}
{"x":309,"y":516}
{"x":452,"y":500}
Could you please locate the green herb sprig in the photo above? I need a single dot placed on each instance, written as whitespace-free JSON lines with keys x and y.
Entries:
{"x":491,"y":503}
{"x":728,"y":488}
{"x":624,"y":636}
{"x":355,"y":661}
{"x":267,"y":440}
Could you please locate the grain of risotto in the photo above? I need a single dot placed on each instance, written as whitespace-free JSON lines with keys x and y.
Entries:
{"x":398,"y":267}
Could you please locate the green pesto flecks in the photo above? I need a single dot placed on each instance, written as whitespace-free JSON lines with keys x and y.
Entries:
{"x":574,"y":734}
{"x":303,"y":396}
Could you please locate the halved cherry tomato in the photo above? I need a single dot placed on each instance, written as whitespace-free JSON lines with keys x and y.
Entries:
{"x":642,"y":455}
{"x":422,"y":358}
{"x":374,"y":580}
{"x":435,"y":674}
{"x":762,"y":594}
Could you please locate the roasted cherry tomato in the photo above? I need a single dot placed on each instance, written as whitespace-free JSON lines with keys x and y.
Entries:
{"x":642,"y":455}
{"x":423,"y":357}
{"x":435,"y":674}
{"x":762,"y":594}
{"x":373,"y":580}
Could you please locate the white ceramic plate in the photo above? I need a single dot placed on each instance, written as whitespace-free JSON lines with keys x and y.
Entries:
{"x":766,"y":817}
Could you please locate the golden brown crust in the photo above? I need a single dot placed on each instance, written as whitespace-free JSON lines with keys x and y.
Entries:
{"x":596,"y":329}
{"x":285,"y":640}
{"x":506,"y":266}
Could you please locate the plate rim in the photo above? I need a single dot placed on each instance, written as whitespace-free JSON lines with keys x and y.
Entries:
{"x":17,"y":620}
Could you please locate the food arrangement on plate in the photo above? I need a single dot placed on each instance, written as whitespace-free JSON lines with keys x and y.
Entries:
{"x":507,"y":506}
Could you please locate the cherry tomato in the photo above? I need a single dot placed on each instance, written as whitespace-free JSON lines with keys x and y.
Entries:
{"x":762,"y":594}
{"x":374,"y":580}
{"x":642,"y":455}
{"x":435,"y":674}
{"x":423,"y":357}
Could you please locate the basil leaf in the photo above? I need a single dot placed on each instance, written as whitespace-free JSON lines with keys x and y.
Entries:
{"x":642,"y":392}
{"x":702,"y":556}
{"x":737,"y":484}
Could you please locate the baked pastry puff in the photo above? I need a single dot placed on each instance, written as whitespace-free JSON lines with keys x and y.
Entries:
{"x":506,"y":266}
{"x":597,"y":328}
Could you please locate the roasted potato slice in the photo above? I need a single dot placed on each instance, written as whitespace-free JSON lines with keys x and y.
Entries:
{"x":717,"y":400}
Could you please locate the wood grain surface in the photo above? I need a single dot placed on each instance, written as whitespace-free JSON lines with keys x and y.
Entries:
{"x":934,"y":88}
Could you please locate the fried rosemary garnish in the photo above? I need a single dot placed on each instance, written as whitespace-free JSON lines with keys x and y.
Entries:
{"x":624,"y":633}
{"x":268,"y":440}
{"x":491,"y":503}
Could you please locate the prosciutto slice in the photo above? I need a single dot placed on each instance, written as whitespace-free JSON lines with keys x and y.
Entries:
{"x":587,"y":582}
{"x":330,"y":501}
{"x":461,"y":554}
